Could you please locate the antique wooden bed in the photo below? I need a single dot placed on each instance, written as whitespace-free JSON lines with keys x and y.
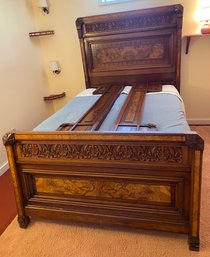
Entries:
{"x":144,"y":180}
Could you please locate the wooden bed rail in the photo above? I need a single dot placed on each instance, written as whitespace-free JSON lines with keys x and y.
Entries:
{"x":129,"y":118}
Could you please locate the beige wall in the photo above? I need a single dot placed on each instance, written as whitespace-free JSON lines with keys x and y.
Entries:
{"x":64,"y":46}
{"x":23,"y":83}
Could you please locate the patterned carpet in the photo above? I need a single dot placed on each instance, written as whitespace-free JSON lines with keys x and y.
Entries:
{"x":62,"y":239}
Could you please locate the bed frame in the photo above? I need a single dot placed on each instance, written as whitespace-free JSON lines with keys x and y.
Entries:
{"x":141,"y":180}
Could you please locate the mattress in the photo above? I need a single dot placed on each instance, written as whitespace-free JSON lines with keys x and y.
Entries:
{"x":165,"y":109}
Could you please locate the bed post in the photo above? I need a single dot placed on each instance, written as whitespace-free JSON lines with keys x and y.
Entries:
{"x":79,"y":25}
{"x":179,"y":13}
{"x":197,"y":144}
{"x":9,"y":141}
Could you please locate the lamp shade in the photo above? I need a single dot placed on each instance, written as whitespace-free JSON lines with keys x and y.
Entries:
{"x":205,"y":18}
{"x":205,"y":14}
{"x":43,"y":4}
{"x":55,"y":67}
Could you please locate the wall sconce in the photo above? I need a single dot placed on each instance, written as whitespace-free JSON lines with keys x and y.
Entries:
{"x":55,"y":67}
{"x":44,"y":6}
{"x":205,"y":18}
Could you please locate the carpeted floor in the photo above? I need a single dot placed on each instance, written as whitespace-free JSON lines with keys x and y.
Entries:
{"x":64,"y":239}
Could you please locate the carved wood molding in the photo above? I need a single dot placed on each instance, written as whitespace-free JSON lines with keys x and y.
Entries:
{"x":142,"y":153}
{"x":140,"y":20}
{"x":132,"y":23}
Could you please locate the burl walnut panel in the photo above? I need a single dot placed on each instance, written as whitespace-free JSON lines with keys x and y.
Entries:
{"x":147,"y":52}
{"x":104,"y":189}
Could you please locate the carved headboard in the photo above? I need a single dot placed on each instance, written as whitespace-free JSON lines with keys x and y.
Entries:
{"x":132,"y":47}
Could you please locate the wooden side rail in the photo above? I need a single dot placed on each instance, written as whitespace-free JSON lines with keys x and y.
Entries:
{"x":93,"y":118}
{"x":129,"y":118}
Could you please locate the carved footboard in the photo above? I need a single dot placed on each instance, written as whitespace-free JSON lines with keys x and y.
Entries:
{"x":138,"y":180}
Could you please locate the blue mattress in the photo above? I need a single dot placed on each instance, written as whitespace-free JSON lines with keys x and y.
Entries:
{"x":165,"y":110}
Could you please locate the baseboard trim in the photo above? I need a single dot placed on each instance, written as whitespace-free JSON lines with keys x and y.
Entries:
{"x":198,"y":122}
{"x":4,"y":168}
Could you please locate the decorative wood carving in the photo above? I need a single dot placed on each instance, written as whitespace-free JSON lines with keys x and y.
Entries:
{"x":140,"y":153}
{"x":134,"y":22}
